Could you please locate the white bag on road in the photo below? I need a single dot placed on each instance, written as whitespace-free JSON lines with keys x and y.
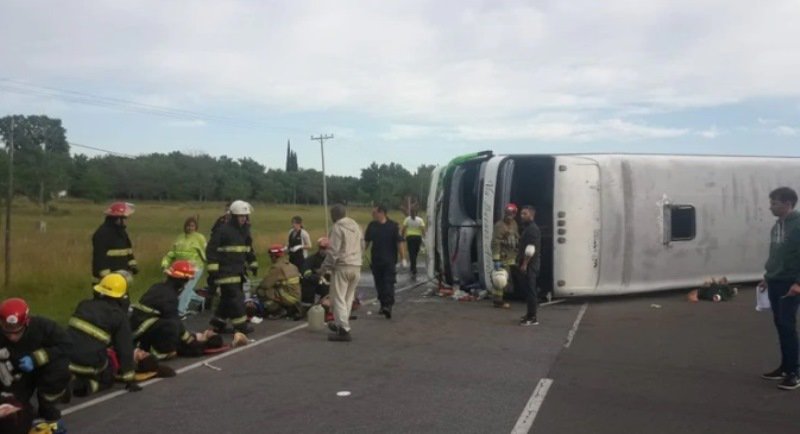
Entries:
{"x":762,"y":300}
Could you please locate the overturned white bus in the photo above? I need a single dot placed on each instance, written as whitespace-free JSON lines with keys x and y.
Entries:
{"x":611,"y":223}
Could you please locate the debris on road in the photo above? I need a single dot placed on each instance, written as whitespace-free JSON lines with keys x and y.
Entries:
{"x":655,"y":306}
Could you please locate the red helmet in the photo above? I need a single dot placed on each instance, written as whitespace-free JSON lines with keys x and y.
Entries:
{"x":511,"y":208}
{"x":324,"y":243}
{"x":181,"y":269}
{"x":120,"y":209}
{"x":14,"y":315}
{"x":276,"y":250}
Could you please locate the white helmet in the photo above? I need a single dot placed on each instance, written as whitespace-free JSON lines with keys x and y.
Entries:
{"x":240,"y":207}
{"x":499,"y":279}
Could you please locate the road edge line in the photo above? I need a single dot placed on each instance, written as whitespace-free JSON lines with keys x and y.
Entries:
{"x":575,"y":325}
{"x":528,"y":415}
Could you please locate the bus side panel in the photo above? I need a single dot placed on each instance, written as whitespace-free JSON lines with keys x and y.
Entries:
{"x":577,"y":217}
{"x":487,"y":219}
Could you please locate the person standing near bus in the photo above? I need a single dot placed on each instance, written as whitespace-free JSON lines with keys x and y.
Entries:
{"x":504,"y":249}
{"x":384,"y":239}
{"x":529,"y":261}
{"x":413,"y":231}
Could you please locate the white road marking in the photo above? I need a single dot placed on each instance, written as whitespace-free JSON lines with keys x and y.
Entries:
{"x":343,"y":393}
{"x":552,"y":302}
{"x":112,"y":395}
{"x":575,"y":325}
{"x":525,"y":421}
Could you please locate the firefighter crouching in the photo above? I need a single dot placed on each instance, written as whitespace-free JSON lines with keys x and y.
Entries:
{"x":230,"y":254}
{"x":155,"y":321}
{"x":280,"y":290}
{"x":112,"y":250}
{"x":38,"y":350}
{"x":315,"y":283}
{"x":99,"y":324}
{"x":504,"y":249}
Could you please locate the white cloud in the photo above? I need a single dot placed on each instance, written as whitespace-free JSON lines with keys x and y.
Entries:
{"x":784,"y":130}
{"x":194,"y":123}
{"x":460,"y":65}
{"x":710,"y":133}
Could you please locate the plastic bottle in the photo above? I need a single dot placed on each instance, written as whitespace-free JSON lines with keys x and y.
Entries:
{"x":316,"y":317}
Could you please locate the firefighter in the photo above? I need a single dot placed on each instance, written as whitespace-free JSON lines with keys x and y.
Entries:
{"x":38,"y":350}
{"x":112,"y":249}
{"x":230,"y":254}
{"x":280,"y":290}
{"x":99,"y":324}
{"x":155,"y":321}
{"x":504,"y":249}
{"x":315,"y":283}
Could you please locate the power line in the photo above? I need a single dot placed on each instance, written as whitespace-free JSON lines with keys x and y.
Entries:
{"x":107,"y":151}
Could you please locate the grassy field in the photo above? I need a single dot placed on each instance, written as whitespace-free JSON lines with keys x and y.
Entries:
{"x":52,"y":269}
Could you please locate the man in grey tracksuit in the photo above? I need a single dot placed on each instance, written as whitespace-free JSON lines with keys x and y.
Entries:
{"x":343,"y":261}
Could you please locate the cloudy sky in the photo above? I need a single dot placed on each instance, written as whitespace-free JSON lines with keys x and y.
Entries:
{"x":411,"y":81}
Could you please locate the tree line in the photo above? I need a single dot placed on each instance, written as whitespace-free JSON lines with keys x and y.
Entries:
{"x":43,"y":168}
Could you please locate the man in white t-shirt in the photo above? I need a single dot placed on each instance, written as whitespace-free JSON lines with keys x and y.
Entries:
{"x":413,"y":231}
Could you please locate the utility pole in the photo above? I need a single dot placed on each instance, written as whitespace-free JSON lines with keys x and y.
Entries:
{"x":321,"y":138}
{"x":9,"y":198}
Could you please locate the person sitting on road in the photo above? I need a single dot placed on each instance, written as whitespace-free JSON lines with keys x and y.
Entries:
{"x":156,"y":323}
{"x":315,"y":283}
{"x":98,"y":324}
{"x":36,"y":352}
{"x":280,"y":290}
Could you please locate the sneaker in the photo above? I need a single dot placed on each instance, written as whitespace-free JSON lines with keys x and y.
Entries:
{"x":387,"y":312}
{"x":790,"y":382}
{"x":775,"y":375}
{"x":333,"y":327}
{"x":528,"y":322}
{"x":341,"y":335}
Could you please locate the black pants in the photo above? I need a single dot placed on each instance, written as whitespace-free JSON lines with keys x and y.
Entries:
{"x":784,"y":315}
{"x":385,"y":276}
{"x":231,"y":306}
{"x":50,"y":384}
{"x":531,"y":292}
{"x":414,"y":243}
{"x":161,"y":338}
{"x":311,"y":288}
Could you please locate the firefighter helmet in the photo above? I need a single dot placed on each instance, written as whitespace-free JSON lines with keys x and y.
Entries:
{"x":324,"y":243}
{"x":14,"y":315}
{"x":113,"y":285}
{"x":240,"y":207}
{"x":181,"y":269}
{"x":120,"y":209}
{"x":276,"y":250}
{"x":511,"y":208}
{"x":500,"y":279}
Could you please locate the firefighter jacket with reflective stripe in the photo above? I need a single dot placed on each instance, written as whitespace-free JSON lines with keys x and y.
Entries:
{"x":229,"y":251}
{"x":43,"y":340}
{"x":160,"y":302}
{"x":112,"y":249}
{"x":282,"y":277}
{"x":505,"y":242}
{"x":97,"y":324}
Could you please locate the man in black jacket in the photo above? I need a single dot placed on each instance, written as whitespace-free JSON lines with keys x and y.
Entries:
{"x":38,"y":351}
{"x":314,"y":282}
{"x":383,"y":234}
{"x":529,"y":261}
{"x":230,"y":254}
{"x":112,"y":250}
{"x":99,"y":324}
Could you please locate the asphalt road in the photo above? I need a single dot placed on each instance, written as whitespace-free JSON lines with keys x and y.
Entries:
{"x":445,"y":366}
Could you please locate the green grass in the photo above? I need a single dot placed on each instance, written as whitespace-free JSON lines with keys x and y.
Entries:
{"x":52,"y":270}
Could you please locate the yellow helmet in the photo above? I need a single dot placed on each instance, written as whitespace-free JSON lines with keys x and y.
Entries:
{"x":113,"y":285}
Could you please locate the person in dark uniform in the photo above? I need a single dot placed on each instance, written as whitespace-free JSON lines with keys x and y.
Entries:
{"x":230,"y":254}
{"x":315,"y":283}
{"x":299,"y":243}
{"x":155,"y":321}
{"x":112,"y":250}
{"x":529,"y":261}
{"x":38,"y":350}
{"x":99,"y":324}
{"x":383,"y":236}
